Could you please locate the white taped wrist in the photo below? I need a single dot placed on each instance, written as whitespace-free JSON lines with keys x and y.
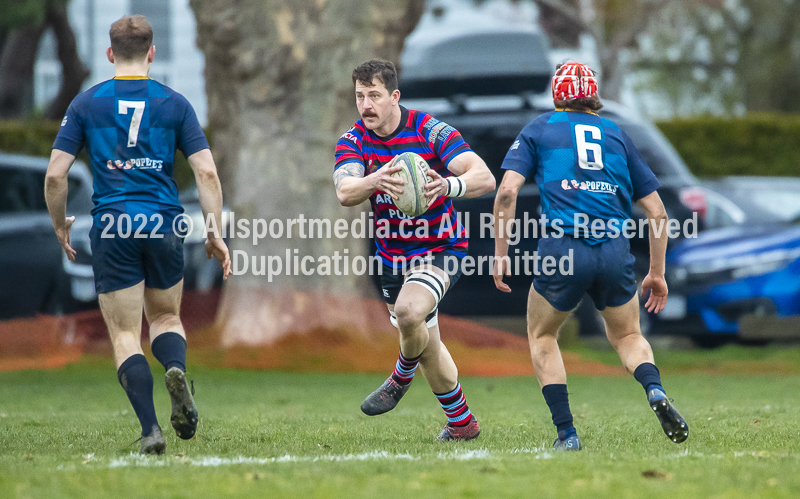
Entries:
{"x":455,"y":187}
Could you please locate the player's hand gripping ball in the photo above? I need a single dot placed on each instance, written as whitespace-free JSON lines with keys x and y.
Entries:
{"x":413,"y":172}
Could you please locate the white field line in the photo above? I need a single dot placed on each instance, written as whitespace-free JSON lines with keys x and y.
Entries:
{"x":137,"y":460}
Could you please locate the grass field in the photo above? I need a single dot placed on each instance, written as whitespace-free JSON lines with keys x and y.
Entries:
{"x":66,"y":433}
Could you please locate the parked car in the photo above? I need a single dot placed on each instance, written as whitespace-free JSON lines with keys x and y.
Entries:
{"x":34,"y":278}
{"x":741,"y":278}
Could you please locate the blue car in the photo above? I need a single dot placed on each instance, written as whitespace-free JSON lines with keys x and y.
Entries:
{"x":741,"y":278}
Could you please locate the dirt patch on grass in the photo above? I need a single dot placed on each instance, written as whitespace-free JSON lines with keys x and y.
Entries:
{"x":36,"y":343}
{"x":476,"y":349}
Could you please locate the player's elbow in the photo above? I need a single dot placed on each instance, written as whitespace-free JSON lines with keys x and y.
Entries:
{"x":206,"y":175}
{"x":485,"y":181}
{"x":506,"y":193}
{"x":53,"y":180}
{"x":344,"y":199}
{"x":656,"y":212}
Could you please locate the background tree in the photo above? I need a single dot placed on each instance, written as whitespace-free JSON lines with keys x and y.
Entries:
{"x":278,"y":81}
{"x":702,"y":55}
{"x":21,"y":27}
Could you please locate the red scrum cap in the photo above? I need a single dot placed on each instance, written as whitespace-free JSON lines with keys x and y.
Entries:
{"x":574,"y":80}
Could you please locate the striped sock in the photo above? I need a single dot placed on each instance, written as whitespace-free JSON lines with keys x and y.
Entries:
{"x":404,"y":369}
{"x":455,"y":406}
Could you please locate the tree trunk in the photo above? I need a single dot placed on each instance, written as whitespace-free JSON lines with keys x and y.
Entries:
{"x":561,"y":22}
{"x":615,"y":25}
{"x":16,"y":71}
{"x":279,"y":96}
{"x":73,"y":72}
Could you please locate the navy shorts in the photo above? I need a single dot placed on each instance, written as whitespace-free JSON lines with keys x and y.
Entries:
{"x":392,"y":281}
{"x":604,"y":271}
{"x":122,"y":262}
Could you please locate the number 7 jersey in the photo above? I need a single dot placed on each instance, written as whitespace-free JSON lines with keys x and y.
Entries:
{"x":583,"y":164}
{"x":131,"y":127}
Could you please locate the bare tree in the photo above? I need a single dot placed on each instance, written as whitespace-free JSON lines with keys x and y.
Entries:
{"x":25,"y":23}
{"x":16,"y":71}
{"x":615,"y":25}
{"x":73,"y":72}
{"x":280,"y":95}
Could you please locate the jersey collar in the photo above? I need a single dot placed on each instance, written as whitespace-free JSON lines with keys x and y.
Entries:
{"x":403,"y":123}
{"x":575,"y":110}
{"x":131,"y":78}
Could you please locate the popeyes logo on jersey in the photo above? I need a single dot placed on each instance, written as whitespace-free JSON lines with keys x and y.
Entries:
{"x":589,"y":185}
{"x":136,"y":164}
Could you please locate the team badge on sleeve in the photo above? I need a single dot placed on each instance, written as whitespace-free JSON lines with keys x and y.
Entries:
{"x":437,"y":130}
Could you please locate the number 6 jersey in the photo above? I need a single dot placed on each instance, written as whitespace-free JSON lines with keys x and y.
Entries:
{"x":131,"y":127}
{"x":583,"y":164}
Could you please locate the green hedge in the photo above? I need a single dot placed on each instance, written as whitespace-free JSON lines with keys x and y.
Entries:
{"x":760,"y":144}
{"x":35,"y":138}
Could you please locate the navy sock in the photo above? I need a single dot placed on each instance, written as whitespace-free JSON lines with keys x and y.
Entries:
{"x":170,"y":350}
{"x":647,"y":374}
{"x":569,"y":432}
{"x":558,"y":401}
{"x":137,"y":380}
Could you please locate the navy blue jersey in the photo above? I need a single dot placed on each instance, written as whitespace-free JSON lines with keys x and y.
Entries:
{"x":131,"y":127}
{"x":583,"y":164}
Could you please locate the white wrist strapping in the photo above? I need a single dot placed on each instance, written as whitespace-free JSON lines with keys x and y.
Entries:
{"x":455,"y":187}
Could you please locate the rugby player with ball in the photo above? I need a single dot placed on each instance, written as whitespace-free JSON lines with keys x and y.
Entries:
{"x":409,"y":164}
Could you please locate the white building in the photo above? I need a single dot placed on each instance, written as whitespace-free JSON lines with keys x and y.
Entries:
{"x":178,"y":64}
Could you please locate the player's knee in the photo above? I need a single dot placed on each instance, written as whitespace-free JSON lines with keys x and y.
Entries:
{"x":165,"y":321}
{"x":538,"y":331}
{"x":125,"y":344}
{"x":409,"y":314}
{"x":620,"y":335}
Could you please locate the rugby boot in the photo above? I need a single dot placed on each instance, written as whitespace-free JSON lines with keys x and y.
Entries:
{"x":153,"y":444}
{"x":385,"y":398}
{"x":672,"y":422}
{"x":452,"y":433}
{"x":184,"y":411}
{"x":571,"y":443}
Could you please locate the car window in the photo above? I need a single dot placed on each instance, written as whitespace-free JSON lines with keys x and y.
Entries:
{"x":785,"y":205}
{"x":22,"y":190}
{"x":656,"y":151}
{"x":727,"y":206}
{"x":722,"y":212}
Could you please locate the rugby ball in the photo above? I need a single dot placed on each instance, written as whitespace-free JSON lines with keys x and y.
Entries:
{"x":413,"y":170}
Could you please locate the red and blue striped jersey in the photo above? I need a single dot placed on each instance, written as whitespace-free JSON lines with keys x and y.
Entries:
{"x":438,"y":143}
